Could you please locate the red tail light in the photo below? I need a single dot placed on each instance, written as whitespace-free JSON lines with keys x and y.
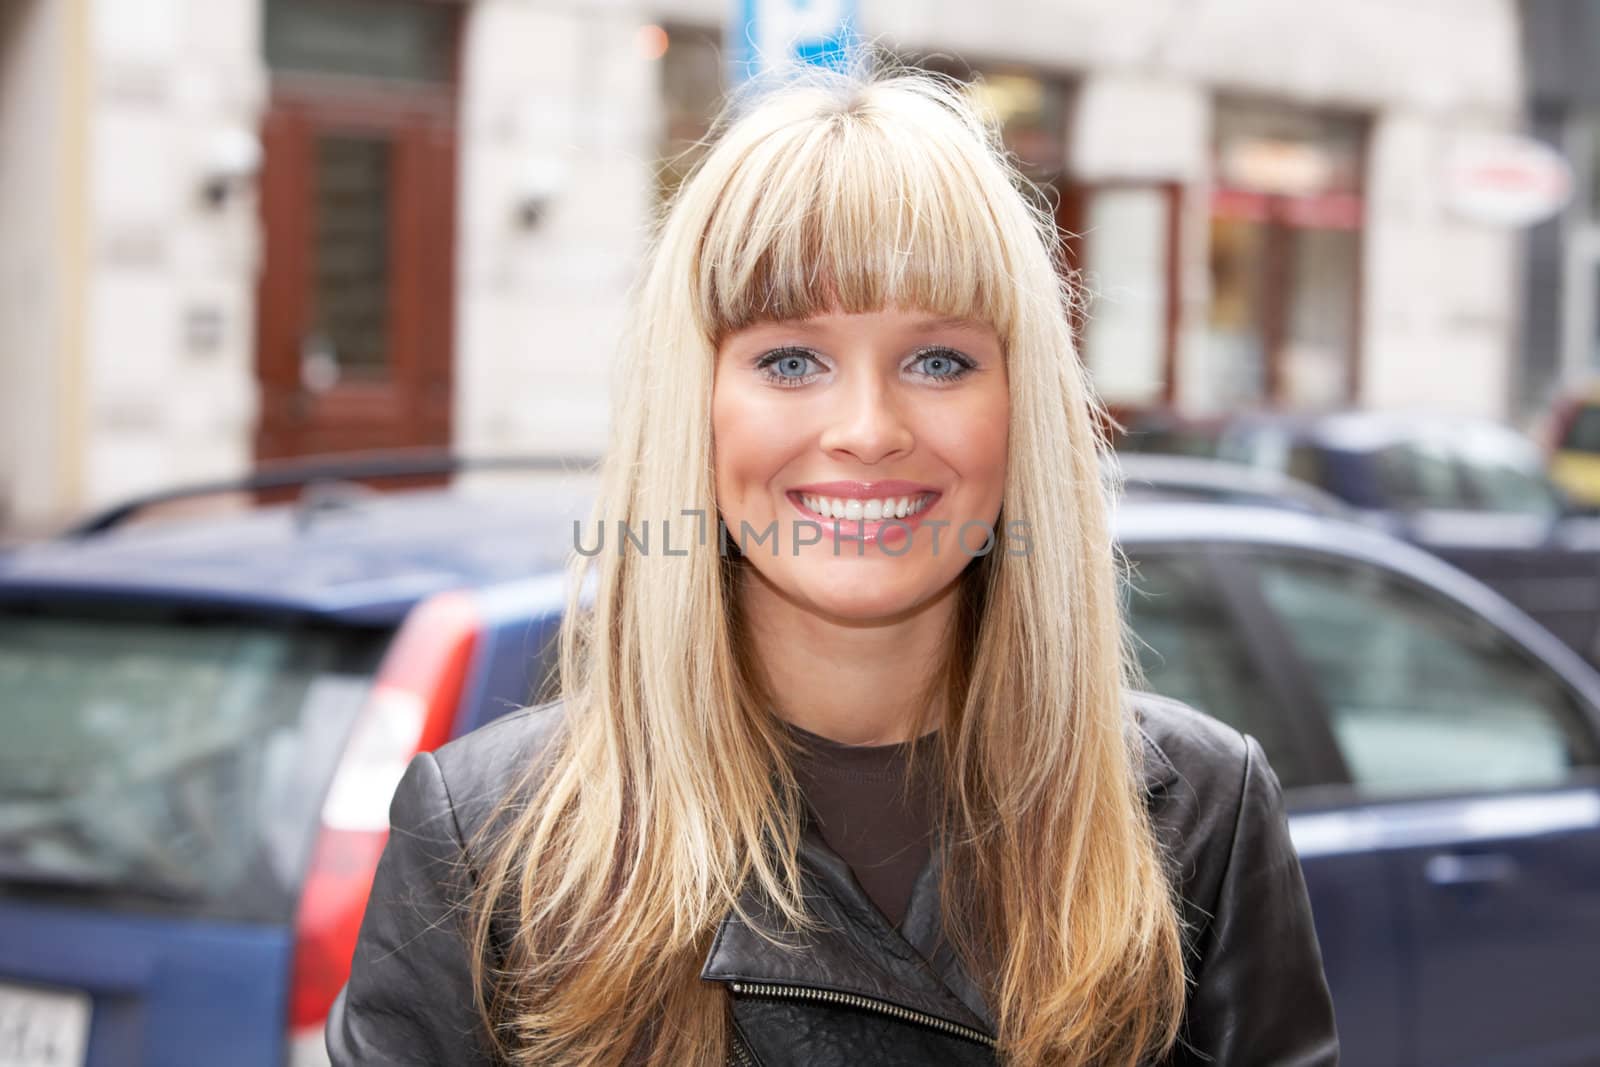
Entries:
{"x":412,"y":709}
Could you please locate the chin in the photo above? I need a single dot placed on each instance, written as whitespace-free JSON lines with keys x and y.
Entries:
{"x":864,"y":594}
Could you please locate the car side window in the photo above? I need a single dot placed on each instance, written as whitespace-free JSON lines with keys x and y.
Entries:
{"x":1422,"y":694}
{"x":1191,"y":649}
{"x":1305,"y":462}
{"x":1504,"y":488}
{"x":1420,"y":475}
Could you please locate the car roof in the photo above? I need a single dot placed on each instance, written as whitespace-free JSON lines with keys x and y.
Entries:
{"x":1139,"y":523}
{"x":1151,"y":475}
{"x":1368,"y":431}
{"x":364,"y":560}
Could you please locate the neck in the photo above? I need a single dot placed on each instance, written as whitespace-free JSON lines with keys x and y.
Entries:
{"x":855,"y":682}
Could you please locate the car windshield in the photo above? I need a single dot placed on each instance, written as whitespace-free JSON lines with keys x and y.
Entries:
{"x":170,"y":760}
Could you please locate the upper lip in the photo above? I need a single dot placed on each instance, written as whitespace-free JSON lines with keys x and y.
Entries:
{"x":864,"y":490}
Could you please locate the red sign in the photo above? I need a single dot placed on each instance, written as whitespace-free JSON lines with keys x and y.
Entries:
{"x":1507,"y":180}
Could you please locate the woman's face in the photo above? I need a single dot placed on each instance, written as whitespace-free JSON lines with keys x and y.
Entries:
{"x":861,"y":458}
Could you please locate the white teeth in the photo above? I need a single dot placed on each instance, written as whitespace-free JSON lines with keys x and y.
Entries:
{"x":856,"y":509}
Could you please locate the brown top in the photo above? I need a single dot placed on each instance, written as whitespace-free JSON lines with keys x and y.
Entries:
{"x":857,"y":794}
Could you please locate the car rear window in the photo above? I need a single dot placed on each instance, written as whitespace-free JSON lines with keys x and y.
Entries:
{"x":170,"y":761}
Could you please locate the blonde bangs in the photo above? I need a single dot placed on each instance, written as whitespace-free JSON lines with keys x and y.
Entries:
{"x":847,"y":213}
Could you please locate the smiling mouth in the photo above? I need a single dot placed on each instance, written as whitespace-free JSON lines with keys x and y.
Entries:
{"x":852,"y":509}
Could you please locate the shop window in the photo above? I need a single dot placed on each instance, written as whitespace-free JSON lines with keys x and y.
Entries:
{"x":1032,"y":114}
{"x":1286,"y":218}
{"x":1031,"y":108}
{"x":1124,"y":259}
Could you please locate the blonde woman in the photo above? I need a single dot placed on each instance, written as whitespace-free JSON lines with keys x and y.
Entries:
{"x":849,"y":767}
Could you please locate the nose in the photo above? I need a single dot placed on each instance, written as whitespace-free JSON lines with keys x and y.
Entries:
{"x":867,"y":423}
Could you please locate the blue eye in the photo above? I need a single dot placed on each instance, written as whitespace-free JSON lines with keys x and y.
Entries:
{"x":788,"y":366}
{"x":943,"y":364}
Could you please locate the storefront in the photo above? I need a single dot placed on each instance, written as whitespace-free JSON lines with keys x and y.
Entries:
{"x":1253,"y":202}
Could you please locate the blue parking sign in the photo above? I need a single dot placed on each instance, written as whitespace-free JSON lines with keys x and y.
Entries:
{"x":768,"y":35}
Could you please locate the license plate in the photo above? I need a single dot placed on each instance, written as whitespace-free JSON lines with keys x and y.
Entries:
{"x":42,"y":1028}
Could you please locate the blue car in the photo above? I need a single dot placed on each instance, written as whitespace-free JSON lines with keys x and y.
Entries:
{"x":204,"y":722}
{"x":1440,"y":755}
{"x":205,"y":719}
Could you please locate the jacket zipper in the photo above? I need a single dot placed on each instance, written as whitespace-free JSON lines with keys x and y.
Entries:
{"x":737,"y":1056}
{"x":853,"y":1000}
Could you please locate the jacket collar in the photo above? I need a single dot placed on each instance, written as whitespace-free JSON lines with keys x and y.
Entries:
{"x":856,"y":950}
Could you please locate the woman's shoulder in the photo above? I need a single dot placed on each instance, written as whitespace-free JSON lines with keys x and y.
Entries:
{"x":1200,"y":775}
{"x":480,"y":769}
{"x":1213,"y":797}
{"x":1259,"y":992}
{"x":1185,"y":745}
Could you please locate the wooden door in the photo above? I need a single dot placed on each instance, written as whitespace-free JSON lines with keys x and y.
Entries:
{"x":357,"y":295}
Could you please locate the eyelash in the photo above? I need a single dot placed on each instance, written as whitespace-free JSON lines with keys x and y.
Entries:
{"x":964,"y":365}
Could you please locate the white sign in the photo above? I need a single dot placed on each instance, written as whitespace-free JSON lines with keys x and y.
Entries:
{"x":43,"y":1028}
{"x":1506,"y":180}
{"x":770,"y":34}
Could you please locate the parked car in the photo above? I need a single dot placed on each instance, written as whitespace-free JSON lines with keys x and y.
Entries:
{"x":1573,"y":443}
{"x":1440,"y":754}
{"x":1471,"y":491}
{"x":207,"y":718}
{"x":204,"y":722}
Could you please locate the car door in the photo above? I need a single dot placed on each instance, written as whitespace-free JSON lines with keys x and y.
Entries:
{"x":1472,"y":771}
{"x":1196,"y":645}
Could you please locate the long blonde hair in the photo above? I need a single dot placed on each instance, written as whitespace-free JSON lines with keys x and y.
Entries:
{"x":668,"y":789}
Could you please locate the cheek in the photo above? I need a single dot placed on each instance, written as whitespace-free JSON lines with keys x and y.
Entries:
{"x":971,"y":437}
{"x":750,"y":443}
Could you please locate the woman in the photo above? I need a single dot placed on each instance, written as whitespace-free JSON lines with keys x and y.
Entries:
{"x":856,"y":773}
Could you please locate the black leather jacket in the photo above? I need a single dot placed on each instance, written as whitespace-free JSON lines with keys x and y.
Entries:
{"x":866,"y":994}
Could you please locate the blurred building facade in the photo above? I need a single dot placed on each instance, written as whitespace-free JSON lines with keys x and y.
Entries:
{"x":1560,"y":343}
{"x":452,"y":199}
